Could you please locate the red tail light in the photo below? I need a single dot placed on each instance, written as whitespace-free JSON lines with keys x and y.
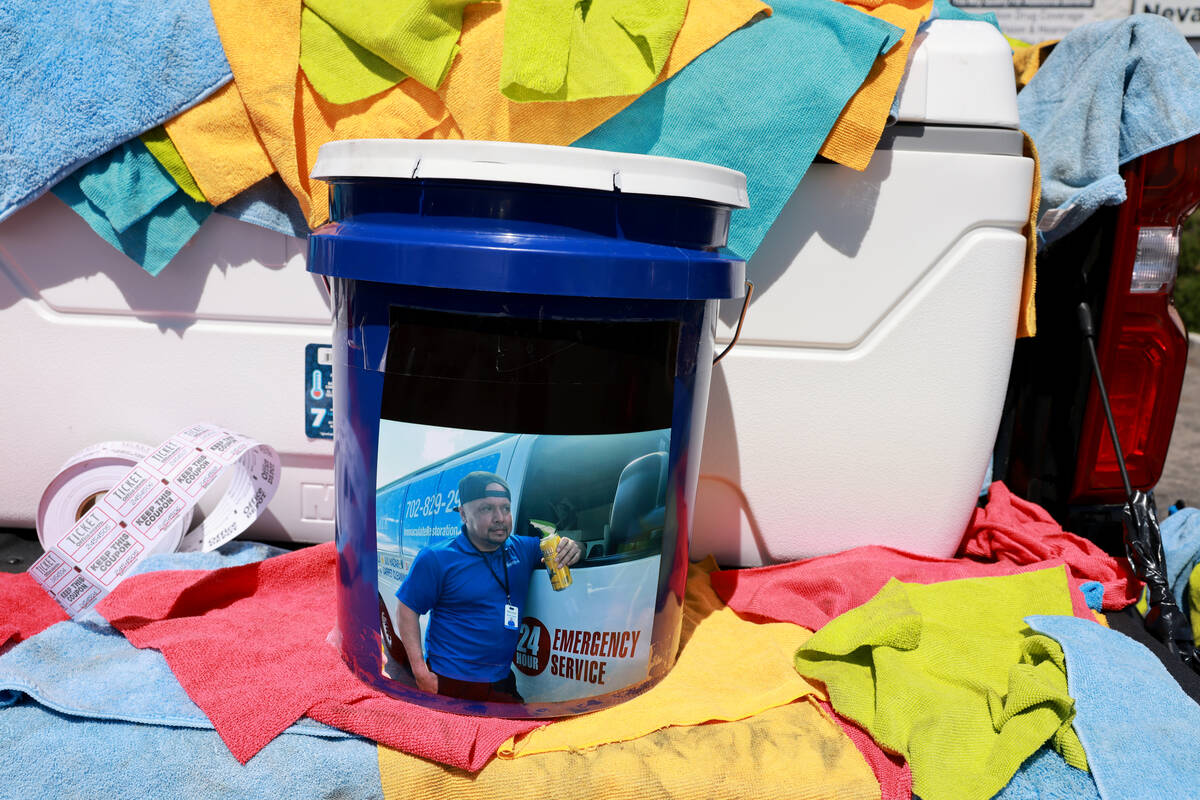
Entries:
{"x":1142,"y":341}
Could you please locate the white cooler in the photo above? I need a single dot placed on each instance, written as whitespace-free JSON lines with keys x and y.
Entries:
{"x":859,"y":406}
{"x":861,"y":403}
{"x":98,"y":350}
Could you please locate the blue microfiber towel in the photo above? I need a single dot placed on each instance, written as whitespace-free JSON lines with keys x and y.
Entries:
{"x":80,"y":78}
{"x":101,"y":718}
{"x":1046,"y":776}
{"x":1093,"y":595}
{"x":130,"y":200}
{"x":1181,"y":545}
{"x":1137,"y":726}
{"x":268,"y":204}
{"x":774,"y":88}
{"x":1111,"y":91}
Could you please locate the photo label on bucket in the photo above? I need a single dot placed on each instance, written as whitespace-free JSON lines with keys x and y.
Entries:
{"x":522,"y":477}
{"x":518,"y":567}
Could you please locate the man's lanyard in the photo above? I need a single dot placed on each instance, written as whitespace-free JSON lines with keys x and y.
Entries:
{"x":488,"y":564}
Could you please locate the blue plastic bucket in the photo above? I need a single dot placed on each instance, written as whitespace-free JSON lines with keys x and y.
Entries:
{"x":540,"y":318}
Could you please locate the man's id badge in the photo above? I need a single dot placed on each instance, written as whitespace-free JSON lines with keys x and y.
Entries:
{"x":510,"y":616}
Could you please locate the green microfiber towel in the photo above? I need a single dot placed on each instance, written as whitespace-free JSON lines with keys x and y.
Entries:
{"x":165,"y":153}
{"x":339,"y":69}
{"x":417,"y":37}
{"x":556,"y":50}
{"x":950,"y":676}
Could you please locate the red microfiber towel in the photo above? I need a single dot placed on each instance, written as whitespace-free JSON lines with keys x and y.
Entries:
{"x":891,"y":770}
{"x":814,"y":591}
{"x":248,"y":645}
{"x":25,"y":608}
{"x":1017,"y":531}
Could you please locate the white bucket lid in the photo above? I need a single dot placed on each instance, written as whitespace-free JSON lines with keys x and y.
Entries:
{"x":547,"y":165}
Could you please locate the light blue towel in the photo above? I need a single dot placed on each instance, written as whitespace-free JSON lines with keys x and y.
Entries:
{"x":80,"y":78}
{"x":84,"y":711}
{"x":1138,"y":728}
{"x":133,"y":204}
{"x":268,"y":204}
{"x":1046,"y":776}
{"x":761,"y":101}
{"x":1111,"y":91}
{"x":1181,"y":544}
{"x":58,"y":666}
{"x":53,"y":755}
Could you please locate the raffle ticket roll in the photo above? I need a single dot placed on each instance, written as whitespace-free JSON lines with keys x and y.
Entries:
{"x":150,"y":504}
{"x":85,"y":478}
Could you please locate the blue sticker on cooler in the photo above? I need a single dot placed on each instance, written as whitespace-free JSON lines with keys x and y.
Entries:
{"x":318,"y":391}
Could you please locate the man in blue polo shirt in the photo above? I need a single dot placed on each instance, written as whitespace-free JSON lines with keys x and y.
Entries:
{"x":474,"y":587}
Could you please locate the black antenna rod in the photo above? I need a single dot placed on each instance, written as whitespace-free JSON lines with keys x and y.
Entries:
{"x":1089,"y":335}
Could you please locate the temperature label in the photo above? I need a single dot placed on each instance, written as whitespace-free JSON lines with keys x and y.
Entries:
{"x":318,"y":391}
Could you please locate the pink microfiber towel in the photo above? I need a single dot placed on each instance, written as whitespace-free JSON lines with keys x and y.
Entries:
{"x":814,"y":591}
{"x":248,"y":645}
{"x":1017,"y":531}
{"x":891,"y":770}
{"x":25,"y":608}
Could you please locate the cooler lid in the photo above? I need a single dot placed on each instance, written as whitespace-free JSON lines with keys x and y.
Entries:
{"x":513,"y":162}
{"x":959,"y":72}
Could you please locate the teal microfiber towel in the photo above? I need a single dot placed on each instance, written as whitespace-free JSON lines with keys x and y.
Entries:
{"x":80,"y":78}
{"x":1136,"y":725}
{"x":131,"y":201}
{"x":944,"y":9}
{"x":1181,"y":545}
{"x":126,"y":184}
{"x":761,"y":101}
{"x":1046,"y":776}
{"x":101,"y":718}
{"x":1110,"y":92}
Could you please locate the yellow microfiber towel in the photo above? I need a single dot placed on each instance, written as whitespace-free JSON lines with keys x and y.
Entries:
{"x":483,"y":113}
{"x":262,"y":43}
{"x":417,"y":37}
{"x":340,"y":69}
{"x":1193,"y":597}
{"x":1028,"y":59}
{"x":709,"y":681}
{"x":1027,"y":318}
{"x":219,"y":146}
{"x":574,"y":51}
{"x":854,"y":136}
{"x":950,"y":676}
{"x":792,"y":752}
{"x":163,"y":149}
